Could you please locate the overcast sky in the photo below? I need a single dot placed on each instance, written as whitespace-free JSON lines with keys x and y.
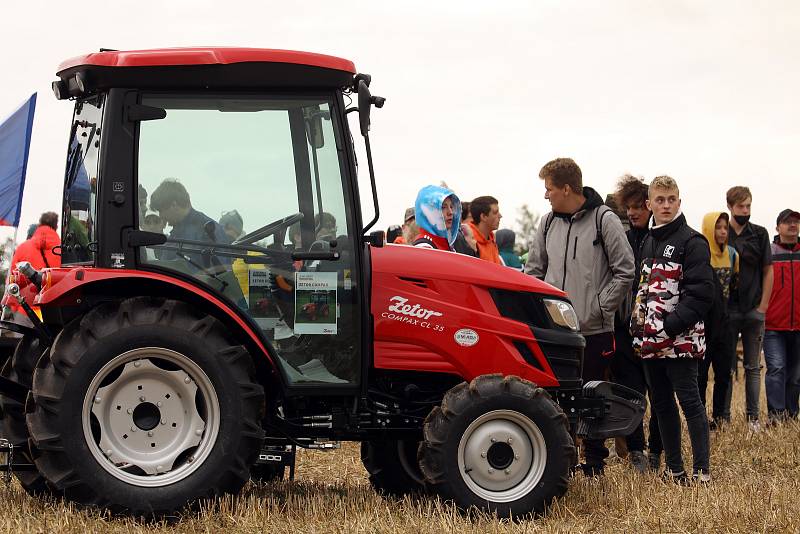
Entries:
{"x":482,"y":94}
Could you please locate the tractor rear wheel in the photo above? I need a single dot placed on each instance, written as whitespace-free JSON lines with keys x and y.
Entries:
{"x":20,"y":369}
{"x":392,"y":466}
{"x":144,"y":407}
{"x":499,"y":444}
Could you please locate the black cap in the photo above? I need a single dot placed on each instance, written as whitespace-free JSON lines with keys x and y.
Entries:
{"x":785,"y":214}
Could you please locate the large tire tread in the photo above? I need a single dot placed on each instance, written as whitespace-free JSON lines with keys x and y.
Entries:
{"x":50,"y":379}
{"x":436,"y":452}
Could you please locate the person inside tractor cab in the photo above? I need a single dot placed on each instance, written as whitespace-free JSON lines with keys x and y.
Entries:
{"x":171,"y":200}
{"x":325,"y":225}
{"x":438,"y":215}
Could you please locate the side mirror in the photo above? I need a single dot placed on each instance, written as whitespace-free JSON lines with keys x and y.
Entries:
{"x":313,"y":120}
{"x":364,"y":106}
{"x":365,"y":102}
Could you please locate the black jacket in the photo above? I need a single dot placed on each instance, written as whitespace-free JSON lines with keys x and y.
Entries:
{"x":674,"y":294}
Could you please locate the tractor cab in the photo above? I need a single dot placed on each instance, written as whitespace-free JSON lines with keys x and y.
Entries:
{"x":231,"y":172}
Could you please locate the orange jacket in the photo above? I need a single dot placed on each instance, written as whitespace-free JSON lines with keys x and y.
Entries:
{"x":38,"y":250}
{"x":487,"y":248}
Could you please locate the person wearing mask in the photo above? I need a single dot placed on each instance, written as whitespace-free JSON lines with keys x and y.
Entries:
{"x":725,"y":264}
{"x":626,"y":367}
{"x":750,"y":298}
{"x":580,"y":247}
{"x":782,"y":335}
{"x":486,"y":217}
{"x":672,"y":298}
{"x":438,"y":216}
{"x":506,"y":239}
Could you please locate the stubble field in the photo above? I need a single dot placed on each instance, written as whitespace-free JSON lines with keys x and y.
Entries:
{"x":756,"y":488}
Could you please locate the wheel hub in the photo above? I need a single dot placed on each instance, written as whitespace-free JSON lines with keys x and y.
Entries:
{"x":146,"y":416}
{"x":502,"y":455}
{"x":151,"y":422}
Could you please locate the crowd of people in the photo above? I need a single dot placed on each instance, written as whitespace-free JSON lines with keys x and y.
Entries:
{"x":659,"y":303}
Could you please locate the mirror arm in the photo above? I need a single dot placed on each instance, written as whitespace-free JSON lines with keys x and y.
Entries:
{"x":372,"y":183}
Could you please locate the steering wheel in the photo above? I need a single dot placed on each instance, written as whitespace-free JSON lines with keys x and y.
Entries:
{"x":271,"y":228}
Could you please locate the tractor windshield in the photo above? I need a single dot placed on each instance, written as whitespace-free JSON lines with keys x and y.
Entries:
{"x":239,"y":184}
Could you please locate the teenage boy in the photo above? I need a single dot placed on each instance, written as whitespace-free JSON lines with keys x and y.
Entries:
{"x":486,"y":217}
{"x":626,"y":367}
{"x":673,"y":296}
{"x":725,"y":264}
{"x":782,"y":336}
{"x":749,"y":300}
{"x":581,"y":248}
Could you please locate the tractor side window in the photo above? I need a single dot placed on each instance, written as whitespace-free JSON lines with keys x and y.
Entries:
{"x":239,"y":184}
{"x":80,"y":185}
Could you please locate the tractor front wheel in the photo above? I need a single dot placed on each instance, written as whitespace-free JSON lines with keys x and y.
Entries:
{"x":145,"y":406}
{"x":498,"y":444}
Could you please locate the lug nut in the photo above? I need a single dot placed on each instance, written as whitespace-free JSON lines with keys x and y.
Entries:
{"x":508,"y":471}
{"x":108,"y":452}
{"x":137,"y":363}
{"x":150,"y":433}
{"x":509,"y":440}
{"x":516,"y":456}
{"x":163,"y":421}
{"x":129,"y":410}
{"x":483,"y":454}
{"x":198,"y":432}
{"x":158,"y":404}
{"x":97,"y":400}
{"x":141,"y":399}
{"x":493,"y":440}
{"x":491,"y":470}
{"x":133,"y":429}
{"x":187,"y":380}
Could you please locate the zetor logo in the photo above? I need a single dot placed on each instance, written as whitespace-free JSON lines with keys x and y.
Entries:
{"x":416,"y":310}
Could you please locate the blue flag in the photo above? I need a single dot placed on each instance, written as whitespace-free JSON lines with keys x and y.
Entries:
{"x":15,"y":143}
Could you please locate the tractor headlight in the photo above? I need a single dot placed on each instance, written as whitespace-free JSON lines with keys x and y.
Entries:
{"x":562,"y":313}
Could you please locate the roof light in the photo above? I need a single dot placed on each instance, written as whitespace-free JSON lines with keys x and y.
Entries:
{"x":59,"y":89}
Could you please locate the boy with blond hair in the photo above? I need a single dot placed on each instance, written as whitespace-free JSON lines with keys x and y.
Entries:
{"x":673,"y":296}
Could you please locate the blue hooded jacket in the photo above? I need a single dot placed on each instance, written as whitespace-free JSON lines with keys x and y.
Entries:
{"x":428,"y":211}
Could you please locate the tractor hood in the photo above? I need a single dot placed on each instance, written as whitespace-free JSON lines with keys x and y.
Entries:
{"x":426,"y":264}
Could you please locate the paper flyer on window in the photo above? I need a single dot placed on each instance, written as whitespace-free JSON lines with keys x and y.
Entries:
{"x":315,"y":303}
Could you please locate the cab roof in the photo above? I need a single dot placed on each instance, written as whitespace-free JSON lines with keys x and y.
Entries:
{"x":203,"y":68}
{"x":204,"y":56}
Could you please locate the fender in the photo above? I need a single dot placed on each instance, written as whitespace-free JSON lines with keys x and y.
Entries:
{"x":63,"y":285}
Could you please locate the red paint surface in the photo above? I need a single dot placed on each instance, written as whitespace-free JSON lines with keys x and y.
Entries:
{"x":64,"y":285}
{"x":205,"y":56}
{"x":457,"y":287}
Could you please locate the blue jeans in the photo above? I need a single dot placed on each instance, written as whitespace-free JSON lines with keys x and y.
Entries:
{"x":782,"y":383}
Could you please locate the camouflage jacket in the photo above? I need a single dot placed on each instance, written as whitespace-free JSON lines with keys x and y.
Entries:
{"x":674,"y":293}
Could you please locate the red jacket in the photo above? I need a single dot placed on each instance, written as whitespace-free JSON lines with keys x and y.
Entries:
{"x":784,"y":302}
{"x":38,"y":250}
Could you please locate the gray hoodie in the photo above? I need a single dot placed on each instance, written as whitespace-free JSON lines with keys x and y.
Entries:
{"x":597,"y":275}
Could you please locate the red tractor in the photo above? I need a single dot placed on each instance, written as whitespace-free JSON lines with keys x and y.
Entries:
{"x":149,"y":382}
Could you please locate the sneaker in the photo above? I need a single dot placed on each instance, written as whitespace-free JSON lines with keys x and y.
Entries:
{"x":592,"y":470}
{"x":703,"y":477}
{"x":654,"y":461}
{"x":638,"y":461}
{"x":754,"y":426}
{"x":676,"y":477}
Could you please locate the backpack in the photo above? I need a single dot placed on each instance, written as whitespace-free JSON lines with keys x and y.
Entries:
{"x":598,"y":223}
